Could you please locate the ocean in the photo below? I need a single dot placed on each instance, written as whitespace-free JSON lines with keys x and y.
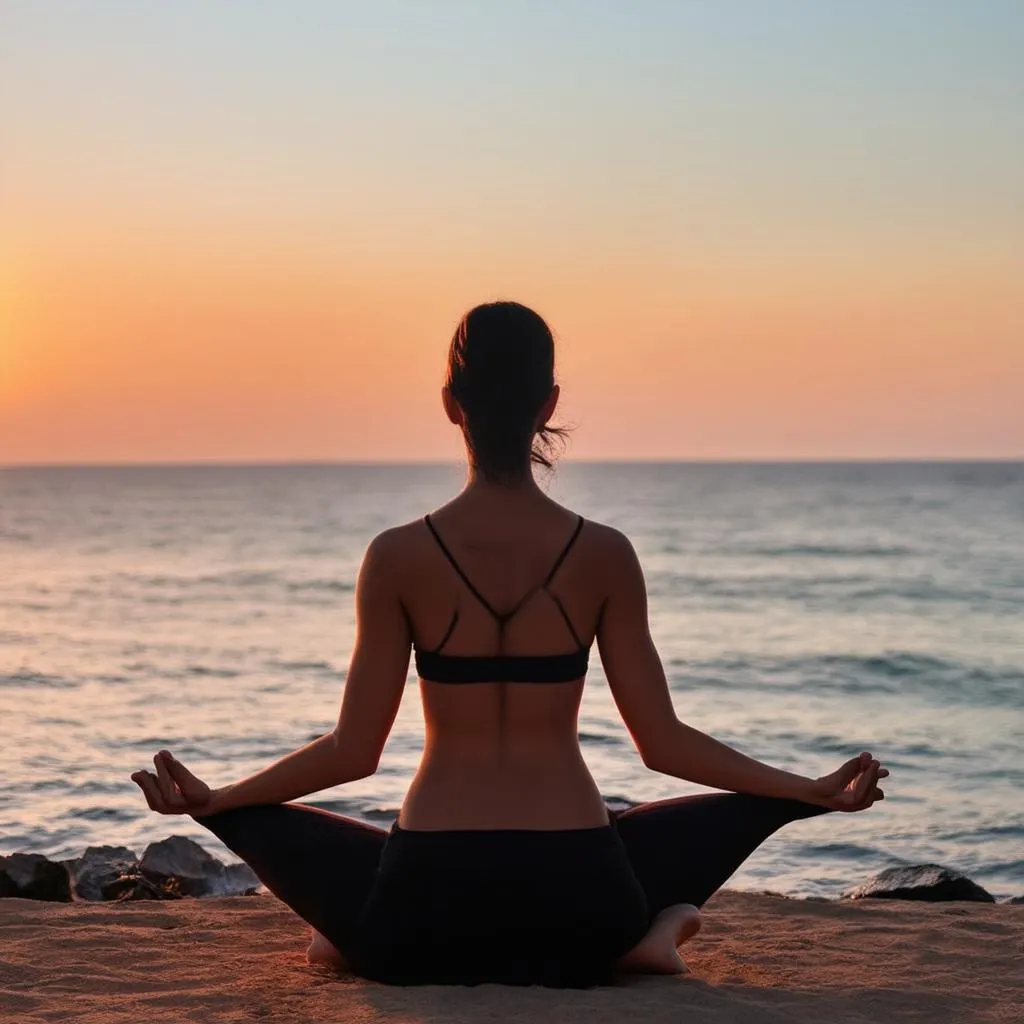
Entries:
{"x":803,"y":612}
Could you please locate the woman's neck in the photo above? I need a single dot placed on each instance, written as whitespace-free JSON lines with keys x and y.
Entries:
{"x":482,"y":488}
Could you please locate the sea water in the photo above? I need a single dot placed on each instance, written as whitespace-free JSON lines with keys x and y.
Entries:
{"x":803,"y":612}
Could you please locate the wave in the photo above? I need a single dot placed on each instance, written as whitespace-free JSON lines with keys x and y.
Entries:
{"x":984,"y":835}
{"x":832,"y":551}
{"x":380,"y":815}
{"x":600,"y":739}
{"x":301,"y":666}
{"x":847,"y":851}
{"x":241,"y":578}
{"x":335,"y":586}
{"x":844,"y":591}
{"x":892,"y":664}
{"x":93,"y":787}
{"x":153,"y":743}
{"x":31,"y":606}
{"x":357,"y":809}
{"x":832,"y":745}
{"x":1013,"y":868}
{"x":101,"y":814}
{"x":617,"y":804}
{"x":235,"y":578}
{"x":895,"y":665}
{"x":231,"y":581}
{"x":888,"y":672}
{"x":26,"y":677}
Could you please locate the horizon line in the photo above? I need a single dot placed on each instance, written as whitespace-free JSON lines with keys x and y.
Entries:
{"x":217,"y":463}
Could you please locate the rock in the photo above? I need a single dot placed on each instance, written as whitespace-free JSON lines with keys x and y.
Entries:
{"x":920,"y":882}
{"x":239,"y":880}
{"x":138,"y":887}
{"x":1015,"y":901}
{"x":103,"y":872}
{"x":181,"y":867}
{"x":169,"y":870}
{"x":31,"y":876}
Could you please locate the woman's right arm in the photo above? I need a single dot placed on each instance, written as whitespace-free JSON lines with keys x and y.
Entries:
{"x":638,"y":684}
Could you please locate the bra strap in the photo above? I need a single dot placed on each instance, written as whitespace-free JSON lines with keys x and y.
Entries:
{"x":565,"y":552}
{"x":503,"y":618}
{"x":458,"y":568}
{"x":565,"y":615}
{"x":448,"y":633}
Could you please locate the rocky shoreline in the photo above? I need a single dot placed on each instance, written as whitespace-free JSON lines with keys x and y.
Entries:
{"x":168,"y":870}
{"x":179,"y":867}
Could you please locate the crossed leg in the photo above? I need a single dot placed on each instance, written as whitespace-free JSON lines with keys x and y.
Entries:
{"x":322,"y":865}
{"x":658,"y":951}
{"x":682,"y":851}
{"x":322,"y":952}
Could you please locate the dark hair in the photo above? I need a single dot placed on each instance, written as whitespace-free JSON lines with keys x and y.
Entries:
{"x":501,"y":369}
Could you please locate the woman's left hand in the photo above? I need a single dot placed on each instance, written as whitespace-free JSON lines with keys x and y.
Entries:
{"x":173,"y":789}
{"x":851,"y":787}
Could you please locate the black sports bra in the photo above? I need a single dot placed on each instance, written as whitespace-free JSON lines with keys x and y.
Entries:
{"x":435,"y":667}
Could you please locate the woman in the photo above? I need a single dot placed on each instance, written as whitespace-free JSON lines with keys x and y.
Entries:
{"x":505,"y":864}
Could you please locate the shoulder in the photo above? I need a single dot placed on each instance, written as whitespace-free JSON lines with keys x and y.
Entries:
{"x":607,"y":540}
{"x":387,"y":563}
{"x":611,"y":549}
{"x":395,"y":545}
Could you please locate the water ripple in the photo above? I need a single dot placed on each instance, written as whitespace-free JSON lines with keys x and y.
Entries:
{"x":805,"y":612}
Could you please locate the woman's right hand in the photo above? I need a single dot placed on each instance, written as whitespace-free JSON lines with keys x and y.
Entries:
{"x":851,"y":787}
{"x":173,"y":789}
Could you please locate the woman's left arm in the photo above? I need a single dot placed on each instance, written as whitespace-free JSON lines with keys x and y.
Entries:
{"x":372,"y":695}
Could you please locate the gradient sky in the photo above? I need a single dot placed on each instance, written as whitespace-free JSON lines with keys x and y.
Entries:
{"x":245,"y":230}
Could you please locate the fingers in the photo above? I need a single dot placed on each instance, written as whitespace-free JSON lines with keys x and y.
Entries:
{"x":849,"y":771}
{"x":178,"y":772}
{"x":159,"y":789}
{"x":146,"y":781}
{"x":866,"y":760}
{"x":854,"y":785}
{"x":865,"y":786}
{"x":163,"y":779}
{"x":194,"y":792}
{"x":168,"y":790}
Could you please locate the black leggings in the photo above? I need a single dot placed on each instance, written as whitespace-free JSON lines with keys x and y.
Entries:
{"x":329,"y":869}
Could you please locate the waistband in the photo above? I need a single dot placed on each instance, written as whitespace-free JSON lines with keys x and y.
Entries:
{"x":396,"y":829}
{"x":504,"y":842}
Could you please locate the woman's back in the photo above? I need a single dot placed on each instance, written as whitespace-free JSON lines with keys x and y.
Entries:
{"x":506,"y":586}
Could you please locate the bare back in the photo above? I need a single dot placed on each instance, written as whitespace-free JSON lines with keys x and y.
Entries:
{"x":502,"y":755}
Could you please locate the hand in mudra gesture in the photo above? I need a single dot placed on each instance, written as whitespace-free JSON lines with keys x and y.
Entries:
{"x":851,"y":787}
{"x":173,"y":789}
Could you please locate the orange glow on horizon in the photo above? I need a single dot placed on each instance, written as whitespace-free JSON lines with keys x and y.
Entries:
{"x":287,"y":352}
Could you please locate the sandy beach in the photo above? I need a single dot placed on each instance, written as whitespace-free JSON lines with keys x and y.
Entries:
{"x":759,"y":959}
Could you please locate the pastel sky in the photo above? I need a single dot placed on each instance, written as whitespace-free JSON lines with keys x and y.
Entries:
{"x":245,"y":230}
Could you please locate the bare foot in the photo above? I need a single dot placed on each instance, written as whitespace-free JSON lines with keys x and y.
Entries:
{"x":322,"y":953}
{"x":657,"y":952}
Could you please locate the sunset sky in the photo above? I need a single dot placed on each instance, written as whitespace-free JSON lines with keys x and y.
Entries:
{"x":759,"y":229}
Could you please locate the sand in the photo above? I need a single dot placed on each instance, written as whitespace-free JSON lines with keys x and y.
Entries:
{"x":759,"y":959}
